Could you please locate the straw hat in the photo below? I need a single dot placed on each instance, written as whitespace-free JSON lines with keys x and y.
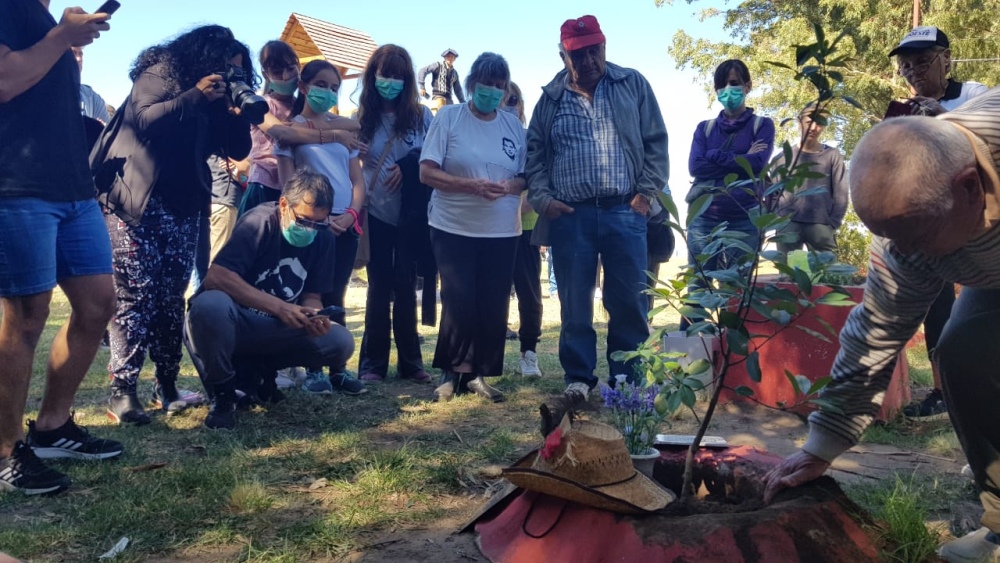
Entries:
{"x":588,"y":463}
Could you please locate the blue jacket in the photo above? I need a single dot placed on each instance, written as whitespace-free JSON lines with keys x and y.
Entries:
{"x":638,"y":121}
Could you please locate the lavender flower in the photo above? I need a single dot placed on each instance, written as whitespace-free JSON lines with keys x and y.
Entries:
{"x":633,"y":412}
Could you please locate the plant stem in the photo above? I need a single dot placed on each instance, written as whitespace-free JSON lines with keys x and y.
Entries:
{"x":686,"y":492}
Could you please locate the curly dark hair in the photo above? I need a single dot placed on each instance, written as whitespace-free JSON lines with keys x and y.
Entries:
{"x":389,"y":61}
{"x":309,"y":71}
{"x":189,"y":57}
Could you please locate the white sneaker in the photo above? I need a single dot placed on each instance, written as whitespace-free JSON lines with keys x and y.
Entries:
{"x":283,"y":379}
{"x":529,"y":365}
{"x":578,"y":387}
{"x":974,"y":547}
{"x":967,"y":472}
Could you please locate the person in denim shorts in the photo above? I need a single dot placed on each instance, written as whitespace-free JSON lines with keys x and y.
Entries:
{"x":51,"y":233}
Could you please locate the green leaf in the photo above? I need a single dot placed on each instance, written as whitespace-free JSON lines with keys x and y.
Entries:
{"x":744,"y":391}
{"x":694,"y":384}
{"x":818,"y":190}
{"x":730,"y":178}
{"x":819,"y":385}
{"x":827,"y":406}
{"x":688,"y":397}
{"x":852,"y":101}
{"x":738,"y":342}
{"x":745,"y":165}
{"x":753,"y":366}
{"x":698,"y":207}
{"x":802,"y":279}
{"x":791,"y":379}
{"x":835,"y":299}
{"x":673,"y":401}
{"x":668,"y":203}
{"x":828,"y":327}
{"x":698,"y":367}
{"x":803,"y":384}
{"x":813,"y":333}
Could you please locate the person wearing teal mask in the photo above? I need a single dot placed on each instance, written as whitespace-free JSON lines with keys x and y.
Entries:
{"x":260,"y":308}
{"x":474,"y":157}
{"x":280,"y":67}
{"x":393,"y":124}
{"x":735,"y":133}
{"x":319,"y":83}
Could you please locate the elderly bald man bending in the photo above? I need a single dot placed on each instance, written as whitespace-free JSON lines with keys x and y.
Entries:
{"x":928,"y":189}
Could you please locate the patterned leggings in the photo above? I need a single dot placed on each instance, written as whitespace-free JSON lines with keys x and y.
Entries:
{"x":152,"y":265}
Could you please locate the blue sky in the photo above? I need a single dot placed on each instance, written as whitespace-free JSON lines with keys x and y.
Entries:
{"x":526,"y":32}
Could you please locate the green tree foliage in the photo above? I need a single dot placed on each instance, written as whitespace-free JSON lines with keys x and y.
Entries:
{"x":761,"y":30}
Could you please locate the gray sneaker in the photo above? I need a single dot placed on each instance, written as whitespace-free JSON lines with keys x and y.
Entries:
{"x":578,"y":387}
{"x":347,"y":383}
{"x":317,"y":383}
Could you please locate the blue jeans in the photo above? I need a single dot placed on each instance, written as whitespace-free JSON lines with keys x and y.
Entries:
{"x":618,"y":235}
{"x":697,"y":241}
{"x":697,"y":235}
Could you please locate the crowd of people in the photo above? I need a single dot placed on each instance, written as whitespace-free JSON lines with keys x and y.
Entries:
{"x":272,"y":211}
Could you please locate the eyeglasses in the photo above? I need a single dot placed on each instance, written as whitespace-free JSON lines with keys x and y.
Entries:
{"x":309,"y":224}
{"x":908,"y":68}
{"x":512,"y":101}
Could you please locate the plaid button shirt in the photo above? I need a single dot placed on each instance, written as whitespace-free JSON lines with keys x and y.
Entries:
{"x":589,"y":157}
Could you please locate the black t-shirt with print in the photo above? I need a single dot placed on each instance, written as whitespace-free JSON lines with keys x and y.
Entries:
{"x":43,"y":145}
{"x":259,"y":254}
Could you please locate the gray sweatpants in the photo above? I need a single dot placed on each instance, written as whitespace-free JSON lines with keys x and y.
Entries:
{"x":227,"y":340}
{"x":968,"y":356}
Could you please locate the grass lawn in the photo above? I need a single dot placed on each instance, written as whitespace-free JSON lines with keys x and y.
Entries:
{"x":384,"y":476}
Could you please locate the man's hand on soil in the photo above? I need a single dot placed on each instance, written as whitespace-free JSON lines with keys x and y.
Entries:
{"x":798,"y":469}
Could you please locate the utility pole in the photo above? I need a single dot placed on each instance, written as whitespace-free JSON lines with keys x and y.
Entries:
{"x":916,"y":13}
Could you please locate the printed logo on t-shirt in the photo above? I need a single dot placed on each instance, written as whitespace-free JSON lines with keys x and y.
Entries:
{"x":509,"y":148}
{"x":286,"y":281}
{"x":411,"y":137}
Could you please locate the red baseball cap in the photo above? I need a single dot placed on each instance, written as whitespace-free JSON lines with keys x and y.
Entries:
{"x":581,"y":32}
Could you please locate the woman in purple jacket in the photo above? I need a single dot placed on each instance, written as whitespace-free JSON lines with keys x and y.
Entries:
{"x":718,"y":142}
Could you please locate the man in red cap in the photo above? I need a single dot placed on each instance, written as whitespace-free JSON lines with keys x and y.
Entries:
{"x":597,"y":155}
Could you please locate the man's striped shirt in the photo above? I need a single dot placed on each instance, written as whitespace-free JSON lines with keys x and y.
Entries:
{"x":898,"y":294}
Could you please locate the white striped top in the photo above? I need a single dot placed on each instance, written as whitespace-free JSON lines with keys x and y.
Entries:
{"x":899,"y":291}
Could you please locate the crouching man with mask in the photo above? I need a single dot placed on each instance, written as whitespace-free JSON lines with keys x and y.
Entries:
{"x":256,"y":311}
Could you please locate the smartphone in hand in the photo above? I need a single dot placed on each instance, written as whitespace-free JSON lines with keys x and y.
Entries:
{"x":897,"y":109}
{"x":109,"y":7}
{"x":328,"y":312}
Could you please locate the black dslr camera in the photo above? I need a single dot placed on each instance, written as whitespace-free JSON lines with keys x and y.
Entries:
{"x":252,"y":106}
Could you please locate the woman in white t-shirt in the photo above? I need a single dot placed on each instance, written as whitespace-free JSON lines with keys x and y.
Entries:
{"x":473,"y":157}
{"x":393,"y":123}
{"x":319,"y":84}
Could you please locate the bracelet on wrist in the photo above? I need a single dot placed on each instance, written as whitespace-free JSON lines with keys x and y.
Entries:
{"x":357,"y":220}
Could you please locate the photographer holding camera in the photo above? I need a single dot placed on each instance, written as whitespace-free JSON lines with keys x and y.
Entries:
{"x":154,"y":184}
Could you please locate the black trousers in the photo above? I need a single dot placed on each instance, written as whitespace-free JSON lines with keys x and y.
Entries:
{"x":968,"y":357}
{"x":476,"y":275}
{"x":528,"y":288}
{"x":938,"y":316}
{"x":392,"y":282}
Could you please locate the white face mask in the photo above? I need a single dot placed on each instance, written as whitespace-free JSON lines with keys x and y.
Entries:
{"x":509,"y":109}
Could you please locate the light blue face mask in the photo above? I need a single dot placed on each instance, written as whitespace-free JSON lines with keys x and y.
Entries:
{"x":388,"y":88}
{"x":321,"y":100}
{"x":486,"y":98}
{"x":285,"y":87}
{"x":731,"y":97}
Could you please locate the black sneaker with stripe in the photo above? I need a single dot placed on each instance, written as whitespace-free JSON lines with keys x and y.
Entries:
{"x":70,"y":441}
{"x":24,"y":472}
